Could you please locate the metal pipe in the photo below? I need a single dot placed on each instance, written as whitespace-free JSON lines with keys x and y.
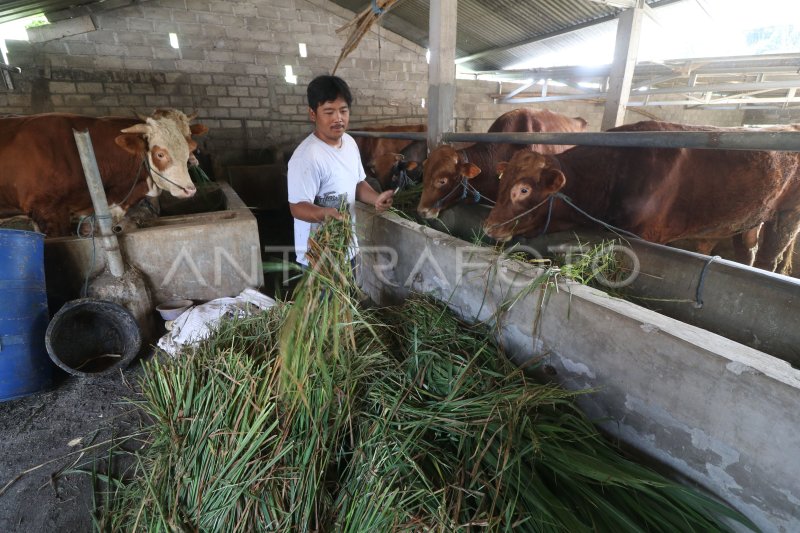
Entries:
{"x":405,"y":135}
{"x":723,"y":140}
{"x":9,"y":68}
{"x":108,"y":240}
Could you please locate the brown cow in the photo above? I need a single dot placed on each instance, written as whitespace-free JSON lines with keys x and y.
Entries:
{"x":450,"y":176}
{"x":43,"y":176}
{"x":659,"y":194}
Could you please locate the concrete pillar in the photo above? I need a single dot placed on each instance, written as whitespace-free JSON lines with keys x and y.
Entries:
{"x":442,"y":69}
{"x":629,"y":29}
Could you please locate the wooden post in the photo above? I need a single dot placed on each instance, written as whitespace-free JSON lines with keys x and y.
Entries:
{"x":442,"y":70}
{"x":629,"y":29}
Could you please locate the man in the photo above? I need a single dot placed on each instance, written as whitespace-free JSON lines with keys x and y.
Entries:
{"x":325,"y":170}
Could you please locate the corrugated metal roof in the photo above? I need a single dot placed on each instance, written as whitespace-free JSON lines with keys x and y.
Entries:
{"x":493,"y":25}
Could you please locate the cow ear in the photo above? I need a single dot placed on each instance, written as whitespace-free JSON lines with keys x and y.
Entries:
{"x":131,"y":142}
{"x":411,"y":165}
{"x":192,"y":145}
{"x":469,"y":170}
{"x":552,"y":180}
{"x":198,"y":129}
{"x":501,"y":167}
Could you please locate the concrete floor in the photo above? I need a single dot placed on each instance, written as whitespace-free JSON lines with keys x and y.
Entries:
{"x":38,"y":429}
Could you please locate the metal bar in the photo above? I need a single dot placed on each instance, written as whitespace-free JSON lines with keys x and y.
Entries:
{"x":9,"y":68}
{"x":518,"y":90}
{"x":108,"y":240}
{"x":405,"y":135}
{"x":765,"y":140}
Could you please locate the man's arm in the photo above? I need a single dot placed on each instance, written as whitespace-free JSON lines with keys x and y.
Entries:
{"x":365,"y":193}
{"x":308,"y":212}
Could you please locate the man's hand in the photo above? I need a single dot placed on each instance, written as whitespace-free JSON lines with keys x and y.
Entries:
{"x":333,"y":213}
{"x":384,"y":200}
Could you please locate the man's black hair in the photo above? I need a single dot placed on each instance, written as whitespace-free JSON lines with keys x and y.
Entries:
{"x":327,"y":89}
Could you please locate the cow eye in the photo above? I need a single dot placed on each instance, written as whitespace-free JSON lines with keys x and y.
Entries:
{"x":160,"y":155}
{"x":441,"y":181}
{"x":524,"y":190}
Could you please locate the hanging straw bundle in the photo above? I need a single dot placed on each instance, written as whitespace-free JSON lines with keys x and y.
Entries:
{"x":318,"y":416}
{"x":361,"y":25}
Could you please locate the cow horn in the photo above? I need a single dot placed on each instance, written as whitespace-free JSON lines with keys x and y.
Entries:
{"x":192,"y":116}
{"x":137,"y":128}
{"x":140,"y":116}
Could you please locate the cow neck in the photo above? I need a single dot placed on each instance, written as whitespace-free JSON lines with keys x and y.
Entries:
{"x":481,"y":155}
{"x":582,"y":189}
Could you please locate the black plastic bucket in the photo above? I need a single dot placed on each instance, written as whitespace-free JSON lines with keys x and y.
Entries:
{"x":93,"y":337}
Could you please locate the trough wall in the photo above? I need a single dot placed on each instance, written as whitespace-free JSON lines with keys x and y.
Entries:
{"x":230,"y":67}
{"x":720,"y":413}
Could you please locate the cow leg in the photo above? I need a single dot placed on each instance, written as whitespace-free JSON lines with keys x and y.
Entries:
{"x":778,"y":234}
{"x":704,"y":246}
{"x":785,"y":264}
{"x":51,"y":217}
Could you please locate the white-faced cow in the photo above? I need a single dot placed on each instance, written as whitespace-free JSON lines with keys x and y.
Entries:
{"x":42,"y":174}
{"x":450,"y":176}
{"x":659,"y":194}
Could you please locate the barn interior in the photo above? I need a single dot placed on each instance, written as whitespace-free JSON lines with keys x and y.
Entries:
{"x":696,"y":366}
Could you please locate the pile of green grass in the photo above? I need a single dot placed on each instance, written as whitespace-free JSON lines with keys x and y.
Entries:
{"x":318,"y":416}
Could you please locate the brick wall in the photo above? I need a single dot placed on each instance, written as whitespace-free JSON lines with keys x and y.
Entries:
{"x":230,"y":68}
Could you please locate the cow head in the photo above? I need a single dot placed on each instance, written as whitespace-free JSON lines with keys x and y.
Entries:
{"x":526,"y":183}
{"x":443,"y":175}
{"x":165,"y":141}
{"x":389,"y":168}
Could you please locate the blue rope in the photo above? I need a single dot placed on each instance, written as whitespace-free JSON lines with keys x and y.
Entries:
{"x":698,"y":295}
{"x":590,"y":217}
{"x":377,"y":10}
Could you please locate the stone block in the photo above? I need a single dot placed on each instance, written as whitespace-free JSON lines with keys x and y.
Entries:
{"x":61,"y":29}
{"x":259,"y":91}
{"x":236,"y":91}
{"x":140,"y":25}
{"x":77,"y":99}
{"x":227,"y":101}
{"x":111,"y":21}
{"x":182,"y":102}
{"x":80,"y":49}
{"x":174,"y":4}
{"x":156,"y":14}
{"x":192,"y":53}
{"x":197,"y":5}
{"x":89,"y":88}
{"x":157,"y":100}
{"x":221,"y":79}
{"x":165,"y":53}
{"x":137,"y":64}
{"x":116,"y":88}
{"x":131,"y":99}
{"x":62,"y":87}
{"x":245,"y":9}
{"x":140,"y":51}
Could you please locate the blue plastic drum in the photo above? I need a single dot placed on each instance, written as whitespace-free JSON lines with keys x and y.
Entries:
{"x":25,"y":366}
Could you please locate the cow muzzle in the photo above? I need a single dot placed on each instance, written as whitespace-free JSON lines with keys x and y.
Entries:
{"x":428,"y":212}
{"x":497,"y":232}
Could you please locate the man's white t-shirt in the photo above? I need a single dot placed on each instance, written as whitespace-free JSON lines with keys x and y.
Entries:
{"x":321,"y":174}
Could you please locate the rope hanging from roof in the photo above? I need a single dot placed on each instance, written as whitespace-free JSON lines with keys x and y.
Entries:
{"x":361,"y":25}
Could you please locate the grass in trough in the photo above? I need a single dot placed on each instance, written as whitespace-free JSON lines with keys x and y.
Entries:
{"x":320,"y":416}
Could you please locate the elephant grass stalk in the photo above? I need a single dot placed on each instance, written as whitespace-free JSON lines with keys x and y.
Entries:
{"x":320,"y":416}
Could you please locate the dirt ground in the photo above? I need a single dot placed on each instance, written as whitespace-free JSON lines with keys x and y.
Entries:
{"x":38,"y":443}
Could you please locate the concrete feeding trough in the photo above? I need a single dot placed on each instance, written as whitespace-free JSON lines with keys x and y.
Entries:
{"x":723,"y":414}
{"x":200,"y":256}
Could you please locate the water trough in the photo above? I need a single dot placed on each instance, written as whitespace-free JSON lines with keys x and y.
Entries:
{"x":719,"y":412}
